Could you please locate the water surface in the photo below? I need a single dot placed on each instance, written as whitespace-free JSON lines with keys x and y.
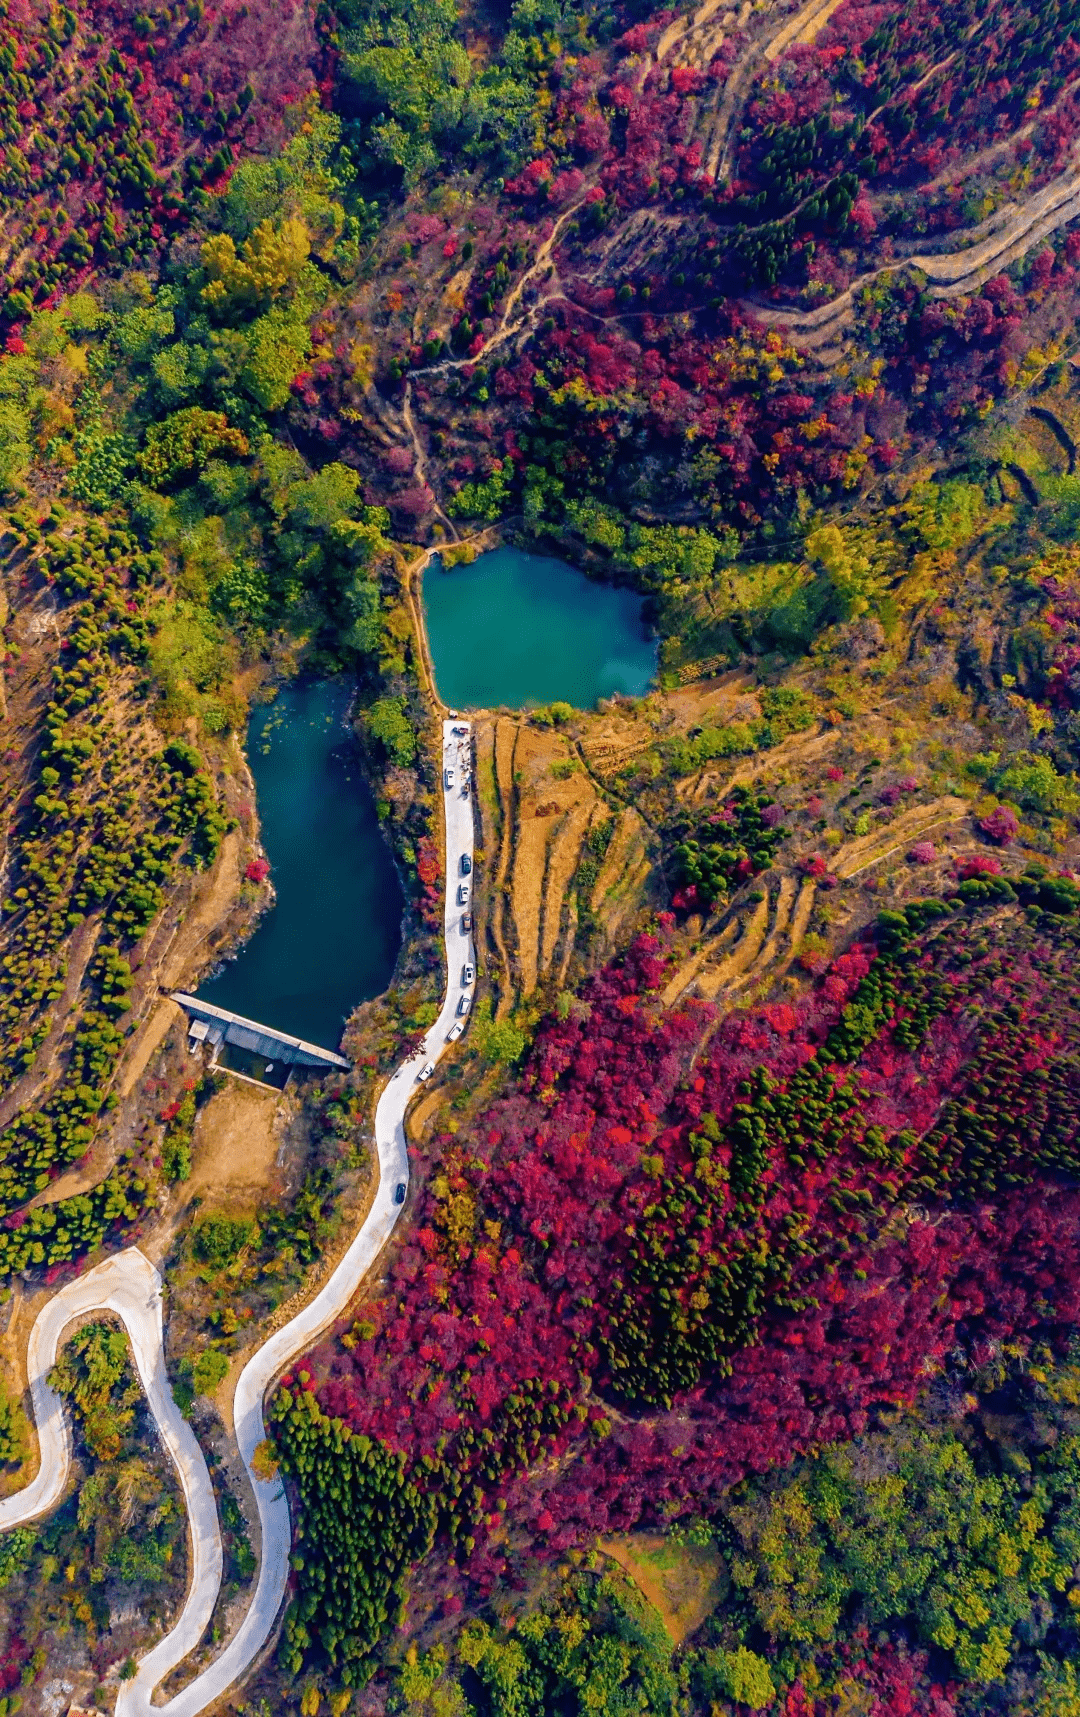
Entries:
{"x":333,"y":937}
{"x":519,"y":629}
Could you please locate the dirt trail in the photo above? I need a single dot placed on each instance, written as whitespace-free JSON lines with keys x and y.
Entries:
{"x":685,"y":974}
{"x":949,"y":274}
{"x":858,"y":855}
{"x":677,"y":36}
{"x":785,"y":900}
{"x":505,"y":331}
{"x":713,"y":979}
{"x":420,"y":460}
{"x":563,"y":856}
{"x":800,"y":918}
{"x":720,"y":122}
{"x":808,"y":20}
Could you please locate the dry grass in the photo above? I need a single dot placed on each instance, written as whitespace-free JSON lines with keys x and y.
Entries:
{"x":683,"y":1582}
{"x":858,"y":855}
{"x":713,"y":979}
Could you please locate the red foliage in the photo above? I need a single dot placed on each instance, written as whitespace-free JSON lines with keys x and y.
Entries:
{"x":978,"y":864}
{"x":890,"y":1683}
{"x":429,"y":872}
{"x":1001,"y":826}
{"x":132,"y":99}
{"x":527,"y":1233}
{"x":12,"y":1659}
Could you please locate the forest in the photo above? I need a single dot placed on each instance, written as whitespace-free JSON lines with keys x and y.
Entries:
{"x":724,"y":1357}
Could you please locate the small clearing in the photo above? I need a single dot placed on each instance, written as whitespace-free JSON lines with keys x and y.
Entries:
{"x":683,"y":1582}
{"x":238,"y":1143}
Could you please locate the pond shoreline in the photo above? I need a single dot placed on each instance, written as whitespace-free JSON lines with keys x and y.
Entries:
{"x":523,"y":629}
{"x":333,"y":933}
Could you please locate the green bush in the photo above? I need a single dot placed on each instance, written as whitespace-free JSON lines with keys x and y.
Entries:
{"x":387,"y":723}
{"x":218,"y":1240}
{"x":207,"y":1370}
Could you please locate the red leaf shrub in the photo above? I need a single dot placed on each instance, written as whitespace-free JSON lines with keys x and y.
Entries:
{"x":744,"y":1252}
{"x":977,"y":864}
{"x":1001,"y":826}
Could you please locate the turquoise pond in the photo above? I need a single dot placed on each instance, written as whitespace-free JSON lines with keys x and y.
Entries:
{"x":516,"y":629}
{"x":333,"y":936}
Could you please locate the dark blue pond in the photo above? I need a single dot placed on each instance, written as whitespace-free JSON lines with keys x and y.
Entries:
{"x":332,"y":939}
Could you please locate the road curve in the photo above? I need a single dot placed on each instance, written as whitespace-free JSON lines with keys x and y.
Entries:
{"x":129,"y":1286}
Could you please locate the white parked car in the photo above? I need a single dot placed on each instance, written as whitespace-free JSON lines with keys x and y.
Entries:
{"x":468,"y":975}
{"x":448,"y":778}
{"x":463,"y":1004}
{"x":426,"y":1071}
{"x":455,"y":1031}
{"x":463,"y":894}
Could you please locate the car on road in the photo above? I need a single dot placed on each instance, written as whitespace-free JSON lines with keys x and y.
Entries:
{"x":466,"y":923}
{"x":399,"y":1192}
{"x":455,"y":1031}
{"x":463,"y":894}
{"x":448,"y":779}
{"x":461,"y":731}
{"x":468,"y":975}
{"x":466,"y":864}
{"x":463,"y":1004}
{"x":426,"y":1071}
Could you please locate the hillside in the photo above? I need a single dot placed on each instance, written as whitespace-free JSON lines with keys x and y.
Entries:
{"x":723,"y":1356}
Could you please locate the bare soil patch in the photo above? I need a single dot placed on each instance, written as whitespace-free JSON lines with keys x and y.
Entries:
{"x":683,"y":1582}
{"x":239,"y":1139}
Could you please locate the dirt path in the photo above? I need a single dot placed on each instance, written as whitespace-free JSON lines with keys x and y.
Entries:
{"x":420,"y":460}
{"x":505,"y":331}
{"x":721,"y":129}
{"x":949,"y":274}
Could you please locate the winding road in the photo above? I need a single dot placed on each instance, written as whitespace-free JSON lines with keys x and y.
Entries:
{"x":129,"y":1286}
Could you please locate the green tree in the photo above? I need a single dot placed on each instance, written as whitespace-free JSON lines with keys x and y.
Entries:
{"x":184,"y":442}
{"x":208,"y":1369}
{"x":218,"y":1240}
{"x":278,"y":347}
{"x":362,"y":1523}
{"x":94,"y":1374}
{"x":15,"y":452}
{"x":387,"y":722}
{"x":14,"y":1437}
{"x":741,"y":1675}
